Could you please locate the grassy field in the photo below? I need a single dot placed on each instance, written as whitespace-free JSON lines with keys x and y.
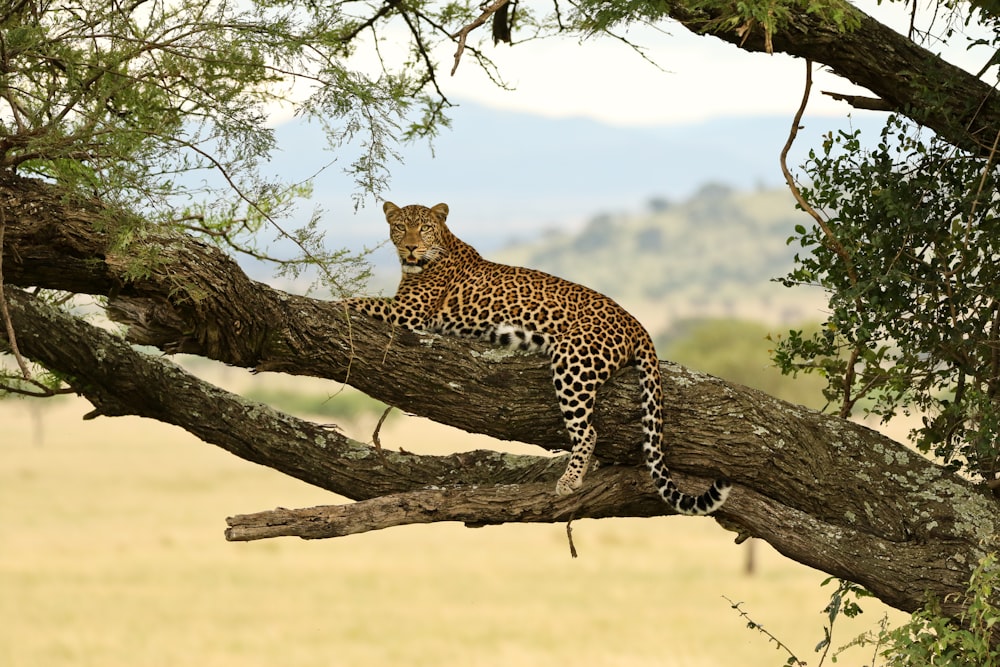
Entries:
{"x":112,"y":554}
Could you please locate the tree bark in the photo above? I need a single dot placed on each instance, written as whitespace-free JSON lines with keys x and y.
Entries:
{"x":823,"y":491}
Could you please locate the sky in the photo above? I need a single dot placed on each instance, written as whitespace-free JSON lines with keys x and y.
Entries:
{"x":699,"y":77}
{"x":603,"y":79}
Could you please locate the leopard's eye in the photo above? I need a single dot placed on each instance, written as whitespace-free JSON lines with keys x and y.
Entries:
{"x":399,"y":228}
{"x":426,"y":227}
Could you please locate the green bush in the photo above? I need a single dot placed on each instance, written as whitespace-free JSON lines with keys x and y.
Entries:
{"x":932,"y":638}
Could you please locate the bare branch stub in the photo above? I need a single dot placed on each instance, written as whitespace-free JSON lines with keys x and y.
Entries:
{"x":375,"y":434}
{"x":860,"y":101}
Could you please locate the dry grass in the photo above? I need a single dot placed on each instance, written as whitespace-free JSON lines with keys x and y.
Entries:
{"x":112,"y":554}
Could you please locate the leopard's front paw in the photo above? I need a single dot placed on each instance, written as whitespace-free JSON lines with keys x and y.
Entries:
{"x":567,"y":484}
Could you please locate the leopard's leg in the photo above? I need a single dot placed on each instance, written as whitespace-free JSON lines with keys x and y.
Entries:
{"x":584,"y":440}
{"x":575,"y":383}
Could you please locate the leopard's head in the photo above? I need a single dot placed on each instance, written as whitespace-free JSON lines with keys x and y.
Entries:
{"x":419,"y":234}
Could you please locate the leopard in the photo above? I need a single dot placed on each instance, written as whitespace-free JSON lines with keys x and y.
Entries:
{"x":446,"y":287}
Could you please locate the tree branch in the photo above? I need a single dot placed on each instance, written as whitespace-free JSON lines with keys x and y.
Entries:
{"x":120,"y":380}
{"x":473,"y":506}
{"x":909,"y":79}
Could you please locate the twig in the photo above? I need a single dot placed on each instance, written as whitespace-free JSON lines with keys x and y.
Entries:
{"x":463,"y":34}
{"x":754,"y":625}
{"x":382,"y":11}
{"x":418,"y":40}
{"x":569,"y":538}
{"x":559,"y":22}
{"x":831,"y":239}
{"x":375,"y":438}
{"x":793,"y":132}
{"x":979,"y":190}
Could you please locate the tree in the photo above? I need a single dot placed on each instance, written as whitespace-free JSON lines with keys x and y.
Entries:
{"x":108,"y":110}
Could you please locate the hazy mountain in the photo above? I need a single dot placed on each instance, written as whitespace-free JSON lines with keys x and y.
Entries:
{"x":510,"y":175}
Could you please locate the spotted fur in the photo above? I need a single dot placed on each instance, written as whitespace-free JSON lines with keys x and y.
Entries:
{"x":446,"y":287}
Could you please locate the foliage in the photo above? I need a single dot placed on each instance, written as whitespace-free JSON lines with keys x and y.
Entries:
{"x":908,"y":258}
{"x":932,"y":637}
{"x":130,"y":95}
{"x":843,"y":601}
{"x":160,"y":108}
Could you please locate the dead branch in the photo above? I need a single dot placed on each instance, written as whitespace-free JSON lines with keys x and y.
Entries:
{"x":463,"y":34}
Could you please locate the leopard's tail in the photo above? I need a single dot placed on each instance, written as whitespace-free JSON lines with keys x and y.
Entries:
{"x":652,"y":427}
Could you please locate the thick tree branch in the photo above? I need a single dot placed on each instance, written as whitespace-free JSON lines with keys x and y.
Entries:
{"x":839,"y":521}
{"x":907,"y":78}
{"x":826,"y":492}
{"x":120,"y":380}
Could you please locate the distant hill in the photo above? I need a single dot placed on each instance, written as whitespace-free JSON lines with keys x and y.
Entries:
{"x":714,"y":253}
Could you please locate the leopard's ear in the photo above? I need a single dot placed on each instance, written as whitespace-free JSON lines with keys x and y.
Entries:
{"x":389,"y":208}
{"x":441,"y":210}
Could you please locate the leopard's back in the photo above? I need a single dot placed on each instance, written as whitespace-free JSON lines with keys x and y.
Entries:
{"x":499,"y":303}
